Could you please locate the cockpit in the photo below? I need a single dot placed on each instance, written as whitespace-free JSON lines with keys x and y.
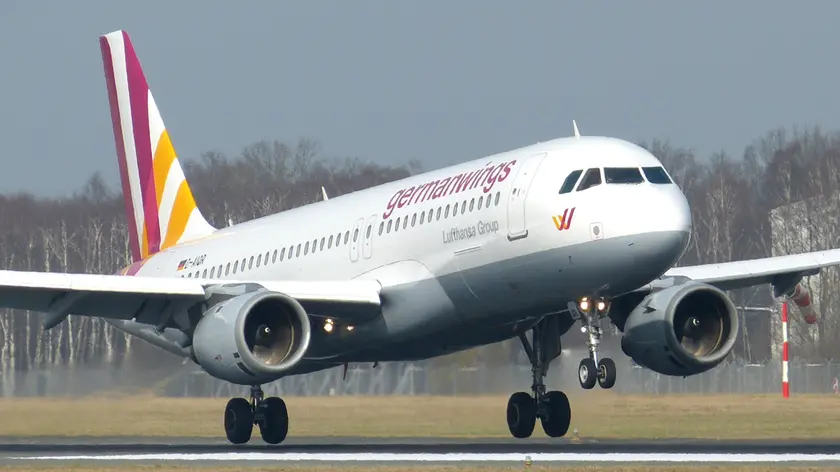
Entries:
{"x":595,"y":176}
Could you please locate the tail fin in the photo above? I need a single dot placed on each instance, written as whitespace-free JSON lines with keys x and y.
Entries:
{"x":159,"y":204}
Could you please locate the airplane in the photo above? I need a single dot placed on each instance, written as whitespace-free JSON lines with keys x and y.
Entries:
{"x":520,"y":244}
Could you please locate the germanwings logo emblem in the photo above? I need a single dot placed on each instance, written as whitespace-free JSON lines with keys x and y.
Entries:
{"x":562,"y":222}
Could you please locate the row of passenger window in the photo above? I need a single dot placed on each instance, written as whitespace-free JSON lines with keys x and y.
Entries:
{"x":292,"y":251}
{"x":441,"y":211}
{"x":614,"y":175}
{"x":334,"y":241}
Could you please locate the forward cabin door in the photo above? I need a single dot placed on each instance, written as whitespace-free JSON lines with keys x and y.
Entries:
{"x":517,"y":226}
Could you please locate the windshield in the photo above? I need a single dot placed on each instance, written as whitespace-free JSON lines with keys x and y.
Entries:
{"x":623,"y":175}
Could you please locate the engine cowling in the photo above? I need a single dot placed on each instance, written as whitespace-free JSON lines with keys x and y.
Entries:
{"x":252,"y":338}
{"x":683,"y":330}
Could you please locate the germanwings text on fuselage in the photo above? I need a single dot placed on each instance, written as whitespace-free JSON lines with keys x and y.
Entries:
{"x":485,"y":177}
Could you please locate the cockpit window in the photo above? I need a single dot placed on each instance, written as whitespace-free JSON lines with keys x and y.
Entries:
{"x":590,"y":179}
{"x":623,"y":175}
{"x":656,"y":175}
{"x":570,"y":181}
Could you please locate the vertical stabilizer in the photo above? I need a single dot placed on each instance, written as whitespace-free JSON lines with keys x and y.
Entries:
{"x":160,"y":207}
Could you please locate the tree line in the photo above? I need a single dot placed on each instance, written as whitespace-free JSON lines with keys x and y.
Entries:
{"x":731,"y":199}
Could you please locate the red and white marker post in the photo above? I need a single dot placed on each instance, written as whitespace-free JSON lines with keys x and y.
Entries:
{"x":785,"y":383}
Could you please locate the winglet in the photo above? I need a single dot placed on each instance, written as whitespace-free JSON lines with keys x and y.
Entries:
{"x":324,"y":194}
{"x":577,"y":133}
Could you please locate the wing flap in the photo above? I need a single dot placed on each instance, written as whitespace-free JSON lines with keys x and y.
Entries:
{"x":144,"y":298}
{"x":740,"y":274}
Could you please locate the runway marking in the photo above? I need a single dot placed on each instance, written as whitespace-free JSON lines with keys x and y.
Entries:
{"x":454,"y":457}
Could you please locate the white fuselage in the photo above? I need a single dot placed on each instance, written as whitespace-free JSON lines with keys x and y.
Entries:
{"x":494,"y":247}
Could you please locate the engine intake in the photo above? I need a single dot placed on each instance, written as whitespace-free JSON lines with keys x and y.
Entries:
{"x":682,"y":330}
{"x":252,"y":338}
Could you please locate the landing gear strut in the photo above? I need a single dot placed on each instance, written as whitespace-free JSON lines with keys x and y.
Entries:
{"x":594,"y":368}
{"x":269,"y":414}
{"x":552,"y":408}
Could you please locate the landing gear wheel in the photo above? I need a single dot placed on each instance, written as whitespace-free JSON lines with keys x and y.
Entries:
{"x":275,"y":420}
{"x":587,"y":373}
{"x":606,"y":373}
{"x":521,"y":415}
{"x":559,"y":415}
{"x":239,"y":420}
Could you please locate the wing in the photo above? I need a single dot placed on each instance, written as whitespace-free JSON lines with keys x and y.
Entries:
{"x":783,"y":272}
{"x":145,"y":299}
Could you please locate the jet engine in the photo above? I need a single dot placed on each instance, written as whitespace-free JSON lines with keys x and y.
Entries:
{"x":251,"y":338}
{"x":683,"y":330}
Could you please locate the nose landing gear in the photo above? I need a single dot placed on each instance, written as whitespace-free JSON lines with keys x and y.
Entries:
{"x":593,"y":369}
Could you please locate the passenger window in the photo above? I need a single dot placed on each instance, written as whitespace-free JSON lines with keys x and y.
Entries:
{"x":314,"y":245}
{"x":235,"y":266}
{"x":438,"y":213}
{"x":227,"y":268}
{"x":219,"y":272}
{"x":204,"y":274}
{"x":283,"y":254}
{"x":297,"y":252}
{"x":622,"y":175}
{"x":446,"y":212}
{"x":569,"y":183}
{"x":429,"y":220}
{"x":346,"y":236}
{"x":291,"y":251}
{"x":381,"y":227}
{"x":329,"y":244}
{"x":590,"y":179}
{"x":463,"y":207}
{"x":259,"y":259}
{"x":367,"y":233}
{"x":656,"y":175}
{"x":397,"y":226}
{"x":323,"y":241}
{"x":455,"y":209}
{"x":498,"y":195}
{"x":251,"y":263}
{"x":212,"y":272}
{"x":413,"y":219}
{"x":306,"y":248}
{"x":472,"y":203}
{"x":274,"y":257}
{"x":422,"y":216}
{"x":390,"y":224}
{"x":265,"y":261}
{"x":243,"y":263}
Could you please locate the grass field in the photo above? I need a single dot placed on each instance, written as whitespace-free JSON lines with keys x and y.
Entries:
{"x":423,"y":468}
{"x":595,"y":414}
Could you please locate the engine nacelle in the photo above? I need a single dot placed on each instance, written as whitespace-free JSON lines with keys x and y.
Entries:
{"x":682,"y":330}
{"x":251,"y":338}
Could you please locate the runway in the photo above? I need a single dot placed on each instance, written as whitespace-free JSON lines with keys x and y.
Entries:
{"x":361,"y":451}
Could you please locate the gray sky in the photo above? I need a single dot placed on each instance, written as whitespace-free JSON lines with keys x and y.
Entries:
{"x":439,"y":81}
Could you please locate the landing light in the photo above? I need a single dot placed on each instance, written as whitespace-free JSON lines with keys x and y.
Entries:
{"x":584,"y":304}
{"x":328,"y":325}
{"x":602,"y":305}
{"x":349,"y":328}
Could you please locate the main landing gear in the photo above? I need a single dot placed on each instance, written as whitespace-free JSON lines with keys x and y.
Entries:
{"x":552,"y":408}
{"x":593,"y":369}
{"x":269,"y":414}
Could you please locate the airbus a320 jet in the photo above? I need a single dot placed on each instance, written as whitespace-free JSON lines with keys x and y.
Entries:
{"x":521,"y":244}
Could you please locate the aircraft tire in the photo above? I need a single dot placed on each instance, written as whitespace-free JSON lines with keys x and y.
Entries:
{"x":587,"y":373}
{"x":606,"y":373}
{"x":275,"y":424}
{"x":521,"y":415}
{"x":239,"y":421}
{"x":556,"y":424}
